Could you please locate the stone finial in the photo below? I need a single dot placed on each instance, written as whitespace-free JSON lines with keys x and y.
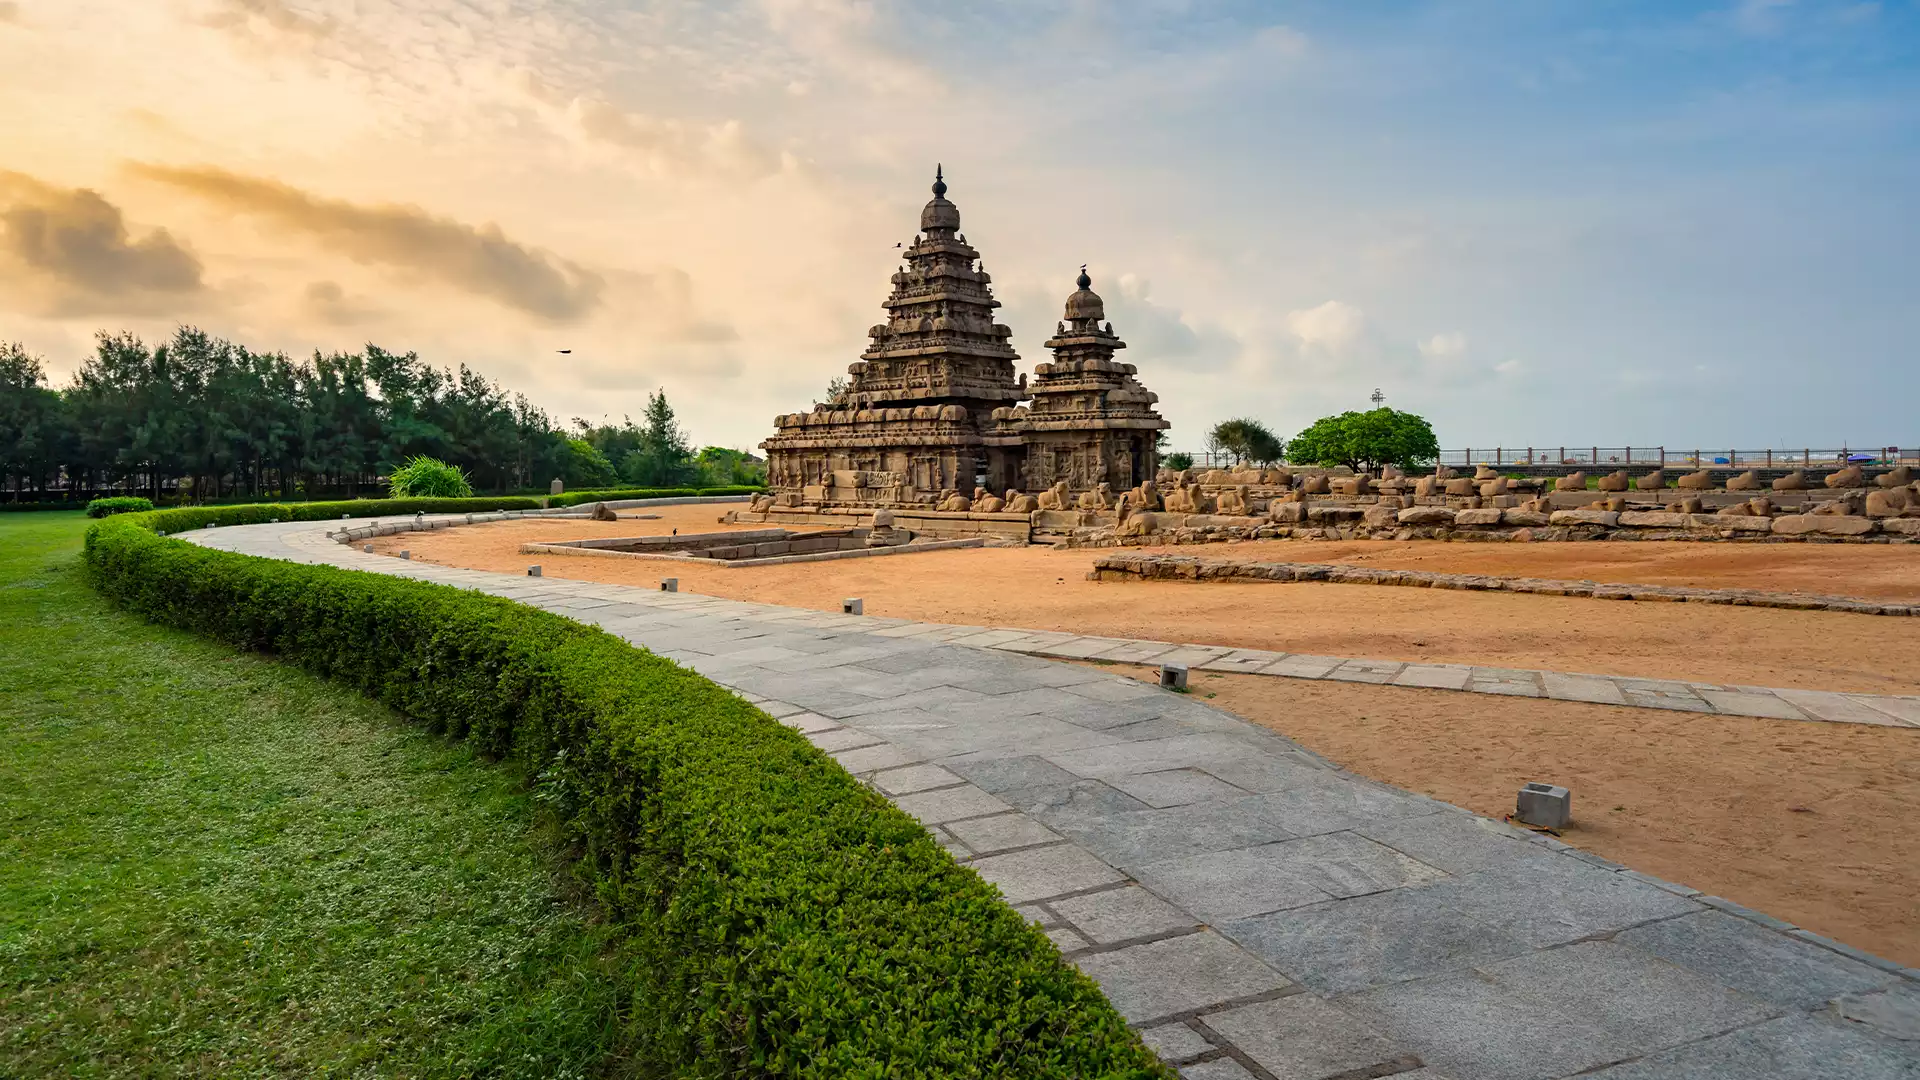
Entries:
{"x":939,"y":182}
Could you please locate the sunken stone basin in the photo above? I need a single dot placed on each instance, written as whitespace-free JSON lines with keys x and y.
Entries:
{"x":753,"y":547}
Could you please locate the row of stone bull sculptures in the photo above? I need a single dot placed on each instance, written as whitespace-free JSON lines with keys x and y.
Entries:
{"x":1185,"y":491}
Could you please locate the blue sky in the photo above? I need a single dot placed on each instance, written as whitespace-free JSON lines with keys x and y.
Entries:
{"x":1534,"y":222}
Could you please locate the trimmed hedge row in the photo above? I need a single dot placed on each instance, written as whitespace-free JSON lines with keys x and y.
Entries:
{"x":193,"y":517}
{"x":783,"y":919}
{"x":118,"y":504}
{"x":575,"y":498}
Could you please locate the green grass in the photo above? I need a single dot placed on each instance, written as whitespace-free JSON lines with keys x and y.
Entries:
{"x":214,"y":864}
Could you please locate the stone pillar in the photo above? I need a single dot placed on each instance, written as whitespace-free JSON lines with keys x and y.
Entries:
{"x":556,"y":488}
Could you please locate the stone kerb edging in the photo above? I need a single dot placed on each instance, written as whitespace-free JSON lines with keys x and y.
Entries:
{"x":767,"y":560}
{"x":426,"y":522}
{"x":1191,"y":568}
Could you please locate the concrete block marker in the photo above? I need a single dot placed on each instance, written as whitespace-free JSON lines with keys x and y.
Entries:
{"x":368,"y":548}
{"x":1173,"y":676}
{"x":1545,"y":805}
{"x":407,"y":555}
{"x":853,"y":605}
{"x":534,"y":570}
{"x":670,"y":584}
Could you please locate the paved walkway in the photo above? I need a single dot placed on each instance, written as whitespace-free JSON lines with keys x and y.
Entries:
{"x":1254,"y":910}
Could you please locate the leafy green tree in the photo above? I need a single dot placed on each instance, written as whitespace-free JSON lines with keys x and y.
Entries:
{"x":717,"y":466}
{"x":1249,"y":441}
{"x":36,"y":434}
{"x":662,"y":457}
{"x":1365,"y":441}
{"x":1178,"y":462}
{"x":585,"y":467}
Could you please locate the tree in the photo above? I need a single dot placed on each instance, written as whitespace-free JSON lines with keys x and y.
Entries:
{"x":1178,"y":462}
{"x":1249,"y":441}
{"x":584,"y":467}
{"x":662,"y":458}
{"x":717,"y":466}
{"x":1365,"y":441}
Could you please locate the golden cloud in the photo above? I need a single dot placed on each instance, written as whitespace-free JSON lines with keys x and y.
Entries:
{"x":479,"y":259}
{"x":68,"y":251}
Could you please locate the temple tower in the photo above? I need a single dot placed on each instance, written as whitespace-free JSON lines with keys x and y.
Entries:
{"x":917,"y":415}
{"x":1090,"y":422}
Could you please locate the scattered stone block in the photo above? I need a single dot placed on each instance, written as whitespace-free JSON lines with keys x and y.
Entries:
{"x":1746,"y":481}
{"x":1905,"y":526}
{"x":1793,"y":481}
{"x":407,"y":555}
{"x":1653,"y":481}
{"x":603,"y":512}
{"x":1173,"y":676}
{"x":1548,"y":806}
{"x":671,"y":584}
{"x":1525,"y":518}
{"x":1614,"y":481}
{"x":1896,"y":477}
{"x":853,"y":606}
{"x":1653,"y":519}
{"x":1695,"y":481}
{"x":1461,"y":485}
{"x":1824,"y":524}
{"x":1573,"y":481}
{"x":1484,"y":516}
{"x":368,"y":548}
{"x":1381,"y":516}
{"x":1429,"y":515}
{"x":534,"y":570}
{"x":1605,"y":518}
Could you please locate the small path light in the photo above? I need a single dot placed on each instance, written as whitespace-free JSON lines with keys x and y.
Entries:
{"x":1173,"y":676}
{"x":405,"y":554}
{"x":671,"y":584}
{"x":1545,"y":806}
{"x":534,"y":570}
{"x":853,"y":606}
{"x":368,"y":548}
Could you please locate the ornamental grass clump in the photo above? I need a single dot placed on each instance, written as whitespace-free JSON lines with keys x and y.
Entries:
{"x":423,"y":477}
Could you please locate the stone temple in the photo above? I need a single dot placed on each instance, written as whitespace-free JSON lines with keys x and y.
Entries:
{"x":933,"y":410}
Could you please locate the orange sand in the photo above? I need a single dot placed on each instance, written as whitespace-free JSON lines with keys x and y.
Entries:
{"x":1045,"y":589}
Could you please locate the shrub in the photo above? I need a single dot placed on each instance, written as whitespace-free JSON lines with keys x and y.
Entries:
{"x":423,"y":477}
{"x":783,"y":919}
{"x":118,"y":504}
{"x":1178,"y":462}
{"x":193,"y":517}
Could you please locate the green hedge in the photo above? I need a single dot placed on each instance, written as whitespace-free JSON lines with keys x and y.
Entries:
{"x":785,"y":920}
{"x":117,"y":504}
{"x":193,"y":517}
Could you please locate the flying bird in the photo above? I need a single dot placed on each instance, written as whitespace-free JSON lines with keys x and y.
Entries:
{"x":563,"y":350}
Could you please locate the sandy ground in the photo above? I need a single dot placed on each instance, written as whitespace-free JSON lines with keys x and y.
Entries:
{"x":1044,"y":589}
{"x":1808,"y":822}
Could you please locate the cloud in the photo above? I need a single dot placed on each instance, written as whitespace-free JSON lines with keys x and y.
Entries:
{"x":664,"y":146}
{"x":68,"y":251}
{"x":327,"y":302}
{"x":480,"y":259}
{"x":1332,"y":327}
{"x":9,"y":11}
{"x":275,"y":15}
{"x":1447,"y":345}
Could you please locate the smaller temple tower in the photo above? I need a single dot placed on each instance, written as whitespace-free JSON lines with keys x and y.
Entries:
{"x":1090,"y":421}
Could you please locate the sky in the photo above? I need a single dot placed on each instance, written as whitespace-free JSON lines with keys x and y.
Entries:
{"x":1535,"y":222}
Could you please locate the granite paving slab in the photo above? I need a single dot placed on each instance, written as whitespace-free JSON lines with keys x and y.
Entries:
{"x":1258,"y":911}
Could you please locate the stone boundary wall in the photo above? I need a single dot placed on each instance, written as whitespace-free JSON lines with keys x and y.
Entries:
{"x":1347,"y":521}
{"x":1190,"y":568}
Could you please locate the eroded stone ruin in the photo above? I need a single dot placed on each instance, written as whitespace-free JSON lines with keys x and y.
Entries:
{"x":934,"y":416}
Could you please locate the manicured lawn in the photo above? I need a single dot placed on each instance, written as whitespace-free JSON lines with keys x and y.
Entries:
{"x":213,"y":864}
